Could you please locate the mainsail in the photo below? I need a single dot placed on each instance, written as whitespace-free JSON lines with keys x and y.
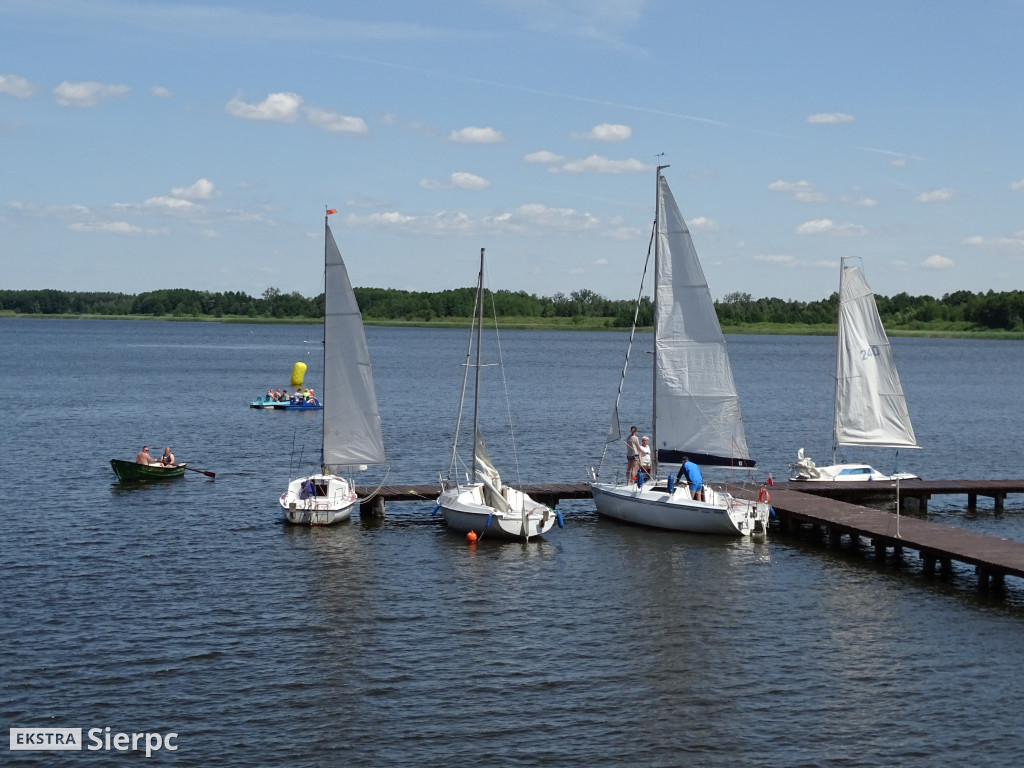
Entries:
{"x":696,"y":407}
{"x":352,"y":433}
{"x":870,"y":408}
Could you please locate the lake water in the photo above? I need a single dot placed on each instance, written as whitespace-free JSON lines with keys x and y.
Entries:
{"x":189,"y":607}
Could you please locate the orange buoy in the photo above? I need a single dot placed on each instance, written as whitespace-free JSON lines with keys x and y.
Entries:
{"x":471,"y":536}
{"x":764,"y":497}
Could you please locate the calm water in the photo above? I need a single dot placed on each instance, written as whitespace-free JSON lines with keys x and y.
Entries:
{"x":189,"y":607}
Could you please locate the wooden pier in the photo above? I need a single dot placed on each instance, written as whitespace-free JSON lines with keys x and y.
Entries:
{"x":827,"y":511}
{"x":992,"y":557}
{"x":545,"y":493}
{"x":916,"y":491}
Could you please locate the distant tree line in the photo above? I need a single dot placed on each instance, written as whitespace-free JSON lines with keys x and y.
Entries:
{"x":993,"y":311}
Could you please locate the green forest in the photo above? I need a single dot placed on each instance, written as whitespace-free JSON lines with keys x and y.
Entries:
{"x":959,"y":312}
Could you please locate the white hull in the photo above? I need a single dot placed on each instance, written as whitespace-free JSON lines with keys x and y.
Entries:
{"x":331,"y":502}
{"x":465,"y":510}
{"x":654,"y":507}
{"x":804,"y":470}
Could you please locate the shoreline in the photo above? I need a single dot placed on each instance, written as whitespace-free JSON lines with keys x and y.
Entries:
{"x":540,"y":324}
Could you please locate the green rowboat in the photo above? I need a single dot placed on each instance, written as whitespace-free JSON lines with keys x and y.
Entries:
{"x":127,"y":471}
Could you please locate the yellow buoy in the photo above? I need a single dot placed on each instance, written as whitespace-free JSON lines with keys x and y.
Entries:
{"x":298,"y":373}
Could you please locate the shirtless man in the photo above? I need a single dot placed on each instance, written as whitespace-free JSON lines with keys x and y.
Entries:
{"x":144,"y":457}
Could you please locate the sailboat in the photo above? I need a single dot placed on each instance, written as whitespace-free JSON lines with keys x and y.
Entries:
{"x":351,"y":436}
{"x":696,"y":410}
{"x":870,"y":409}
{"x":483,"y":505}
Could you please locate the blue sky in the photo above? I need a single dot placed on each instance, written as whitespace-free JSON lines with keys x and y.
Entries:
{"x":148,"y":145}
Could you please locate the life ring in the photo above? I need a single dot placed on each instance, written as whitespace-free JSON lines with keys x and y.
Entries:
{"x":764,"y":497}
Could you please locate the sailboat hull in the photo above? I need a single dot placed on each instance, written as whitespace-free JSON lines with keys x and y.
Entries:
{"x":806,"y":471}
{"x":655,"y":507}
{"x":465,"y":509}
{"x":318,"y":500}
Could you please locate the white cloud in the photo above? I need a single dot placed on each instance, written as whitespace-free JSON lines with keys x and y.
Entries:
{"x":935,"y":196}
{"x":830,"y":118}
{"x":530,"y":219}
{"x":829,"y":227}
{"x":803,"y":191}
{"x":1018,"y":186}
{"x":781,"y":259}
{"x":462,"y":180}
{"x":543,"y":157}
{"x":335,"y":123}
{"x":110,"y":227}
{"x":864,"y":202}
{"x":703,"y":223}
{"x":536,"y":218}
{"x":598,"y":164}
{"x":458,"y":180}
{"x":899,"y":162}
{"x":170,"y":204}
{"x":601,"y":263}
{"x":62,"y":212}
{"x":473,"y":135}
{"x":606,"y":132}
{"x":277,"y":107}
{"x":201,"y":190}
{"x":160,"y":92}
{"x":87,"y":94}
{"x":937,"y":262}
{"x":18,"y":87}
{"x":1014,"y":243}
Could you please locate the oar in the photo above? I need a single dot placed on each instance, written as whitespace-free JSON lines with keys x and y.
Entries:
{"x":201,"y":471}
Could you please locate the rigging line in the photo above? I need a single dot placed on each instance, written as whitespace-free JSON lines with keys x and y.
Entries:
{"x":453,"y":466}
{"x":504,"y":383}
{"x":365,"y":499}
{"x":632,"y":334}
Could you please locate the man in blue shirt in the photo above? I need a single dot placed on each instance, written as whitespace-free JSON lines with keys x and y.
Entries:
{"x":693,"y":478}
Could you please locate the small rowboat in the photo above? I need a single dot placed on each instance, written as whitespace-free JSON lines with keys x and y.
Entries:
{"x":128,"y":471}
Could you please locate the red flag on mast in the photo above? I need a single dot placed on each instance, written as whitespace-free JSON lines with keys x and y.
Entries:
{"x":331,"y":210}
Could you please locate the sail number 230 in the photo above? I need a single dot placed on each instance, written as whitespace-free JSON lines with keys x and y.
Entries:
{"x":872,"y":351}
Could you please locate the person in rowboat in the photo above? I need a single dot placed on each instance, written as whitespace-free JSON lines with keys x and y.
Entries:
{"x":167,"y":459}
{"x":144,"y":457}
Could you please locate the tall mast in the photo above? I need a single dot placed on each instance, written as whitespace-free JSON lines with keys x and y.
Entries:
{"x":323,"y":362}
{"x":835,"y":398}
{"x":479,"y":338}
{"x":654,"y":293}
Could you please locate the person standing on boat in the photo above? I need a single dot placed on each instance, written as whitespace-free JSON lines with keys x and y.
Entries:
{"x":632,"y":455}
{"x":645,"y":456}
{"x":144,"y":457}
{"x":693,"y":478}
{"x":167,"y":459}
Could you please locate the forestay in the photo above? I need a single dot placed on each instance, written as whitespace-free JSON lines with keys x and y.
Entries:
{"x":696,"y":407}
{"x":352,"y":432}
{"x":870,"y":408}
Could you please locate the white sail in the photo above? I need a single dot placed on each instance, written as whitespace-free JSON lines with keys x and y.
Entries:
{"x":870,"y":408}
{"x":352,"y":433}
{"x":696,"y":407}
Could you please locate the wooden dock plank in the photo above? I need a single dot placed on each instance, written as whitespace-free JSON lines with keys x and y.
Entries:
{"x":932,"y":539}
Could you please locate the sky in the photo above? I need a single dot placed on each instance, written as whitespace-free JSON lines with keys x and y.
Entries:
{"x":151,"y":145}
